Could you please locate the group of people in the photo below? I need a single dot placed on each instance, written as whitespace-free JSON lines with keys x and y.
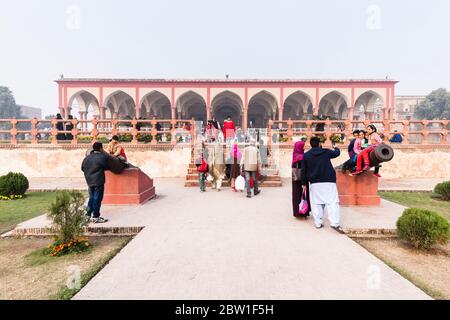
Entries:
{"x":214,"y":165}
{"x":314,"y":187}
{"x":314,"y":181}
{"x":64,"y":126}
{"x":94,"y":166}
{"x":359,"y":149}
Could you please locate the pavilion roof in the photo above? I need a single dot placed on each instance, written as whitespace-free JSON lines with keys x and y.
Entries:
{"x":259,"y":80}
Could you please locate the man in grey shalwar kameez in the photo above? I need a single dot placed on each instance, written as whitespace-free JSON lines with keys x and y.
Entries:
{"x":318,"y":171}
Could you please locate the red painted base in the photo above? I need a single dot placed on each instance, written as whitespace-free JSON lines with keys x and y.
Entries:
{"x":131,"y":187}
{"x":358,"y":191}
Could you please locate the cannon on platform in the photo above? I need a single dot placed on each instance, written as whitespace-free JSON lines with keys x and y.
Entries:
{"x":363,"y":189}
{"x":115,"y":165}
{"x":382,"y":153}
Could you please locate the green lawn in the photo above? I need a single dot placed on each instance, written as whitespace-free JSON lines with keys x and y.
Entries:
{"x":13,"y":212}
{"x":422,"y":200}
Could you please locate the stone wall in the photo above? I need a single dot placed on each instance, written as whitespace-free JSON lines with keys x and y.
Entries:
{"x":51,"y":162}
{"x":408,"y":162}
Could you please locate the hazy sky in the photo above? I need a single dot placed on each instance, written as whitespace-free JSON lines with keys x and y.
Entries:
{"x":407,"y":40}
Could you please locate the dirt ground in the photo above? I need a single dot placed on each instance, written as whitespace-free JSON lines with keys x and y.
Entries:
{"x":428,"y":270}
{"x":39,"y":277}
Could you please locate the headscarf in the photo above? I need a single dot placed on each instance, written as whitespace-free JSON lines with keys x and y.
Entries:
{"x":299,"y":150}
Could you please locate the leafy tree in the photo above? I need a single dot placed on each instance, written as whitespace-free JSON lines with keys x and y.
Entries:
{"x":436,"y":106}
{"x":8,"y":106}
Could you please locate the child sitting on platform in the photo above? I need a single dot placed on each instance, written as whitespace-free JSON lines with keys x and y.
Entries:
{"x":363,"y":157}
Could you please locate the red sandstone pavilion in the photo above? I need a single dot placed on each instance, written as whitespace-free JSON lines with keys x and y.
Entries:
{"x":248,"y":102}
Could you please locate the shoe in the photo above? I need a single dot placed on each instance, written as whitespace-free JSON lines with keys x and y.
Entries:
{"x":377,"y":175}
{"x":356,"y":173}
{"x":366,"y":168}
{"x":319,"y":226}
{"x":249,"y":195}
{"x":99,"y":220}
{"x":338,"y":229}
{"x":258,"y":192}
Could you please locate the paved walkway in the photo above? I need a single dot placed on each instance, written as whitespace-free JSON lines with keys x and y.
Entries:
{"x":410,"y":184}
{"x":221,"y":245}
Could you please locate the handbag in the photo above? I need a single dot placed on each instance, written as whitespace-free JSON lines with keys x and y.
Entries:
{"x":296,"y":172}
{"x":303,"y":207}
{"x":239,"y":184}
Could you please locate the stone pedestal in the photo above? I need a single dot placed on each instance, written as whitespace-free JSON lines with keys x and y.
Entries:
{"x":361,"y":190}
{"x":131,"y":187}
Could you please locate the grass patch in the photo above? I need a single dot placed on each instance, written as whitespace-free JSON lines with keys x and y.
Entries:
{"x":65,"y":293}
{"x":27,"y":273}
{"x":426,"y":270}
{"x":421,"y":200}
{"x":32,"y":205}
{"x":38,"y":258}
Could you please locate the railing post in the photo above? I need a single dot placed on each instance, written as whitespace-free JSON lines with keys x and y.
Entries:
{"x":173,"y":124}
{"x":134,"y":132}
{"x":54,"y":131}
{"x":444,"y":131}
{"x":192,"y":131}
{"x":74,"y":131}
{"x":405,"y":131}
{"x":114,"y":124}
{"x":386,"y":130}
{"x":154,"y":132}
{"x":94,"y":132}
{"x":34,"y":132}
{"x":348,"y":130}
{"x":425,"y":132}
{"x":289,"y":130}
{"x":328,"y":132}
{"x":308,"y":129}
{"x":270,"y":135}
{"x":13,"y":131}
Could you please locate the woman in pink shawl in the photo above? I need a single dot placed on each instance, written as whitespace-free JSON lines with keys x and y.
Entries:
{"x":235,"y":165}
{"x":297,"y":190}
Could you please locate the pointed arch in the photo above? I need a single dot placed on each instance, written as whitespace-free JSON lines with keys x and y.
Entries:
{"x":225,"y":104}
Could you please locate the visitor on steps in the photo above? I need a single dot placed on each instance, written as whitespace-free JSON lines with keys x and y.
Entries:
{"x":250,"y":162}
{"x":202,"y":167}
{"x":235,"y":171}
{"x":374,"y":141}
{"x":93,"y":167}
{"x":318,"y":172}
{"x":297,"y":190}
{"x":216,"y":164}
{"x":228,"y":129}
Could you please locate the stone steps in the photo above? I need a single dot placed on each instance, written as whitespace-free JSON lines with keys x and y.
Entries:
{"x":271,"y":176}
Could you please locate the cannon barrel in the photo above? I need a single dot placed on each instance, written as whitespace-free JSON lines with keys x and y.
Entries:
{"x":115,"y":165}
{"x":382,"y":153}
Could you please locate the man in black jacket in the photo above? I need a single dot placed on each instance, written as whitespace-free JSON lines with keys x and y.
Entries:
{"x":318,"y":171}
{"x":94,"y":166}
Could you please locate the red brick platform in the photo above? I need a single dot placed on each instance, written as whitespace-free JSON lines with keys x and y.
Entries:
{"x":131,"y":187}
{"x":361,"y":190}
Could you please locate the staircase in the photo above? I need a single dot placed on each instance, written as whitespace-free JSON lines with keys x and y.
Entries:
{"x":270,"y":176}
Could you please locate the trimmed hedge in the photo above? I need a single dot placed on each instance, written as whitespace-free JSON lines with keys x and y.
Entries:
{"x":13,"y":184}
{"x":423,"y":228}
{"x":443,"y":189}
